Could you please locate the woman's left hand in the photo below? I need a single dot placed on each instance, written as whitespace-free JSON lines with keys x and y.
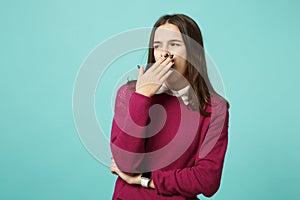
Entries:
{"x":128,"y":178}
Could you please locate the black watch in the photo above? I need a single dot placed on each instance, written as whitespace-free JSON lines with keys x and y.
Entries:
{"x":145,"y":179}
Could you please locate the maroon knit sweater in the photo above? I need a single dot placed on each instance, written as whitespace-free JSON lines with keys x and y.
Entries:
{"x":184,"y":149}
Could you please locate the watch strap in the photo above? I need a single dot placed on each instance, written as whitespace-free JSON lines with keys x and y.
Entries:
{"x":145,"y":182}
{"x":145,"y":179}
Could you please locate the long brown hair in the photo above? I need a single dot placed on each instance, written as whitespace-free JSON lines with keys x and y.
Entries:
{"x":196,"y":72}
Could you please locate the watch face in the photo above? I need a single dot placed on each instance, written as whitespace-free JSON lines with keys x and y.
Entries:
{"x":147,"y":175}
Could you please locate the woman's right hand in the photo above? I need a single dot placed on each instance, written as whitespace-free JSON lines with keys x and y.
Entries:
{"x":148,"y":83}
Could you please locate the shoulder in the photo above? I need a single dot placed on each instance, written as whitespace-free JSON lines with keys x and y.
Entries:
{"x":217,"y":104}
{"x":126,"y":89}
{"x":218,"y":100}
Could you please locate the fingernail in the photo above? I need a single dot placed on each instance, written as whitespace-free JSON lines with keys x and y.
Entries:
{"x":172,"y":61}
{"x":171,"y":56}
{"x":138,"y":66}
{"x":166,"y":55}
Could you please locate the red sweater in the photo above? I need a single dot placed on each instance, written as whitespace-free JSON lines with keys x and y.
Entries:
{"x":183,"y":149}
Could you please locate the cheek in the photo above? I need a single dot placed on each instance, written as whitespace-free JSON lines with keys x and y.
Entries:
{"x":180,"y":65}
{"x":157,"y":54}
{"x":181,"y":53}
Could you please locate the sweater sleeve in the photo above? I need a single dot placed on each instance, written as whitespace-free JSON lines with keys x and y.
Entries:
{"x":129,"y":128}
{"x":205,"y":175}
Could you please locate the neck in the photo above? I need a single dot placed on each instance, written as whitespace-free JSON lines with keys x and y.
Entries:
{"x":178,"y":85}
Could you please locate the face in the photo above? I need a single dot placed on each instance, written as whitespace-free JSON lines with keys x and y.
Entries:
{"x":168,"y":39}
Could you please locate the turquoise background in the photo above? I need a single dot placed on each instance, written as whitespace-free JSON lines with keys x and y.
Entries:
{"x":254,"y":43}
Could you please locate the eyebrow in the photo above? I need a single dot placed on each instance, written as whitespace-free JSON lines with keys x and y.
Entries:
{"x":175,"y":40}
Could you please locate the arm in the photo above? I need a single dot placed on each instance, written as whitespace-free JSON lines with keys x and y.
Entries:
{"x":204,"y":177}
{"x":131,"y":115}
{"x":129,"y":128}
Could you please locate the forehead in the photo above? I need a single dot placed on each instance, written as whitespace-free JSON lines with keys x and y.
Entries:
{"x":167,"y":32}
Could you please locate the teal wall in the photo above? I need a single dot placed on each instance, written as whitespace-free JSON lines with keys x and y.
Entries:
{"x":43,"y":43}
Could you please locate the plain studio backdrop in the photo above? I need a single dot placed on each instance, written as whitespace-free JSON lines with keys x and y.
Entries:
{"x":254,"y":44}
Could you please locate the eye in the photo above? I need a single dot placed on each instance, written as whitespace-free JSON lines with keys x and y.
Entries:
{"x":155,"y":46}
{"x":173,"y":44}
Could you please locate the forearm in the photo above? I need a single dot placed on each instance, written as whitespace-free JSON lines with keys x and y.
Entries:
{"x":202,"y":178}
{"x":129,"y":129}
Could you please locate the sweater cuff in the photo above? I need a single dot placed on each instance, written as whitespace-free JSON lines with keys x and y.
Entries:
{"x":157,"y":182}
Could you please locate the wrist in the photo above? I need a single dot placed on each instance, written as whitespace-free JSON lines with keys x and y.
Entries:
{"x":133,"y":179}
{"x":143,"y":93}
{"x":151,"y":184}
{"x":139,"y":180}
{"x":145,"y":179}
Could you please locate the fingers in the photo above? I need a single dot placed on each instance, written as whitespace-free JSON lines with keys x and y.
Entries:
{"x":165,"y":76}
{"x":113,"y":170}
{"x":169,"y":60}
{"x":113,"y":167}
{"x":158,"y":63}
{"x":150,"y":81}
{"x":165,"y":69}
{"x":141,"y":71}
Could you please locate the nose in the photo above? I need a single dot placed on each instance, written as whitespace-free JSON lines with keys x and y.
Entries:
{"x":164,"y":53}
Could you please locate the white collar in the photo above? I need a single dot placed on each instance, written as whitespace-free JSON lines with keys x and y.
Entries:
{"x":183,"y":93}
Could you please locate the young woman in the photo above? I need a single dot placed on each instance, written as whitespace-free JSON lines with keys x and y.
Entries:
{"x":170,"y":128}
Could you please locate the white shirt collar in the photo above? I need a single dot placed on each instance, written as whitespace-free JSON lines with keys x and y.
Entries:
{"x":182,"y":93}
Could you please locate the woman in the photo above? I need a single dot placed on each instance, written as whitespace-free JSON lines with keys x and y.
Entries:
{"x":176,"y":152}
